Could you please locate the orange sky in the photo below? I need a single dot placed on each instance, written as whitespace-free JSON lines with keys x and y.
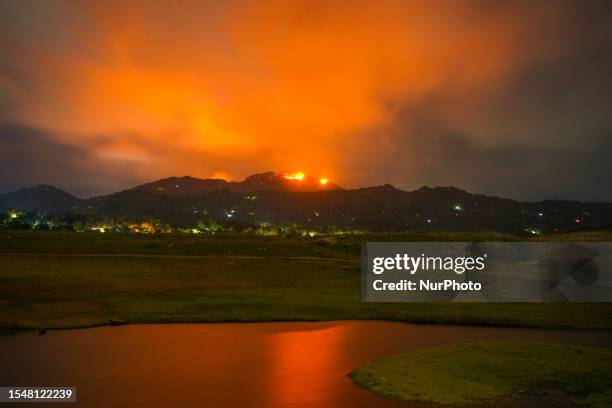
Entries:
{"x":238,"y":87}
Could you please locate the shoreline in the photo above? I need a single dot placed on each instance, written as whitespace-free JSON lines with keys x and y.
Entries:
{"x":19,"y":328}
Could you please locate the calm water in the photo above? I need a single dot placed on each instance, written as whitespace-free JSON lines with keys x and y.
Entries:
{"x":231,"y":365}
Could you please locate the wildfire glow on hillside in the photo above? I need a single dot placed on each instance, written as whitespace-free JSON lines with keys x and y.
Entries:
{"x":301,"y":176}
{"x":295,"y":176}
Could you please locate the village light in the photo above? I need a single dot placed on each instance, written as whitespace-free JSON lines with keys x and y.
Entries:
{"x":533,"y":231}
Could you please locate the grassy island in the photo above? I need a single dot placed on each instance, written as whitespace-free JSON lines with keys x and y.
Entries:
{"x":492,"y":371}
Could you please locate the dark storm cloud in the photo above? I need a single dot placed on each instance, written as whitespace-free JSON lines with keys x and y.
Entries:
{"x":524,"y":172}
{"x":30,"y":156}
{"x":546,"y":133}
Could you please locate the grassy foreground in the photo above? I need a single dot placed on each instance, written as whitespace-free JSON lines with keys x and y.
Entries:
{"x":478,"y":372}
{"x":62,"y":280}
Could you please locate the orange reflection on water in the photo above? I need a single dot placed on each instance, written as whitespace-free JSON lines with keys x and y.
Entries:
{"x":303,"y":365}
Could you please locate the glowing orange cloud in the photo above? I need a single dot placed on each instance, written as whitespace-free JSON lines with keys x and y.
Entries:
{"x":240,"y":87}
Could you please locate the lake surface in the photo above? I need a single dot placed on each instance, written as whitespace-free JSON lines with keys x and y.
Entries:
{"x":232,"y":365}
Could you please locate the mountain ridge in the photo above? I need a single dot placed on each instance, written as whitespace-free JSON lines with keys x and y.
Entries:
{"x":279,"y":198}
{"x":52,"y":199}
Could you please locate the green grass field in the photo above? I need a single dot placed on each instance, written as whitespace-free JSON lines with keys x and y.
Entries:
{"x":61,"y":280}
{"x":490,"y":372}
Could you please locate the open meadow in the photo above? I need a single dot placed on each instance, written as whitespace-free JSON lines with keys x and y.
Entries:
{"x":66,"y":280}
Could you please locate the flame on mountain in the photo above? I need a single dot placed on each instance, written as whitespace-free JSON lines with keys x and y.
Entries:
{"x":298,"y":175}
{"x":323,"y":180}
